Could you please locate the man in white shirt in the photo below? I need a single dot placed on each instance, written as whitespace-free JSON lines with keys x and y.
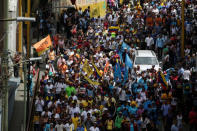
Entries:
{"x":47,"y":112}
{"x":59,"y":127}
{"x":149,"y":42}
{"x":94,"y":128}
{"x":49,"y":86}
{"x":59,"y":87}
{"x":39,"y":104}
{"x":84,"y":114}
{"x":69,"y":126}
{"x":186,"y":74}
{"x":122,"y":96}
{"x":155,"y":10}
{"x":74,"y":110}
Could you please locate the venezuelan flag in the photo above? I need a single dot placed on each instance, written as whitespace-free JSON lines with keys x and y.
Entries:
{"x":113,"y":29}
{"x":162,"y":80}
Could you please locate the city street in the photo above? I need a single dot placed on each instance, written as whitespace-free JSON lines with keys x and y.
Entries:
{"x":100,"y":65}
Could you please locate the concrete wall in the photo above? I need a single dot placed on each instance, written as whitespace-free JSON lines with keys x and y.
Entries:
{"x":1,"y":25}
{"x":12,"y":25}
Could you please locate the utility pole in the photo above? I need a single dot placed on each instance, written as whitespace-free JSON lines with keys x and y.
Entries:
{"x":182,"y":28}
{"x":4,"y":70}
{"x":20,"y":36}
{"x":25,"y":91}
{"x":28,"y":28}
{"x":28,"y":55}
{"x":20,"y":28}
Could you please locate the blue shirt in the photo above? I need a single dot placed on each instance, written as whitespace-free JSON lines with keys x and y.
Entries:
{"x":131,"y":127}
{"x":159,"y":43}
{"x":133,"y":110}
{"x":80,"y":129}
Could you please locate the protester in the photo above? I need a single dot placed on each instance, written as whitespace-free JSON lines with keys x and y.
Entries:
{"x":95,"y":86}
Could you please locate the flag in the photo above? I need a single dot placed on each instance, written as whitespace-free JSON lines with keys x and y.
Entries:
{"x":97,"y":71}
{"x":43,"y":45}
{"x":162,"y":80}
{"x":113,"y":29}
{"x":106,"y":67}
{"x":117,"y":72}
{"x":87,"y":68}
{"x":125,"y":75}
{"x":91,"y":82}
{"x":168,"y":72}
{"x":124,"y":45}
{"x":128,"y":61}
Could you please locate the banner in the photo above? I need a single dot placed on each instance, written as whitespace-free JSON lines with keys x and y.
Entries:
{"x":128,"y":61}
{"x":87,"y":68}
{"x":97,"y":7}
{"x":43,"y":45}
{"x":91,"y":82}
{"x":98,"y":72}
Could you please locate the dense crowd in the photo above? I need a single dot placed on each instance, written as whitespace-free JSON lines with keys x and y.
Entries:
{"x":89,"y":85}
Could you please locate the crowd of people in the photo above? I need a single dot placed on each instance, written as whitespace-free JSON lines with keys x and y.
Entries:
{"x":89,"y":83}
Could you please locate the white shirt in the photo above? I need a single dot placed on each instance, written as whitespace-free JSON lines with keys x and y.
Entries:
{"x":68,"y":127}
{"x":39,"y":105}
{"x":59,"y":87}
{"x":59,"y":127}
{"x":84,"y":114}
{"x":186,"y":75}
{"x":48,"y":114}
{"x":149,"y":41}
{"x":50,"y":104}
{"x":49,"y":87}
{"x":122,"y":96}
{"x":94,"y":129}
{"x":139,"y":101}
{"x":156,"y":11}
{"x":57,"y":116}
{"x":74,"y":110}
{"x":143,"y":95}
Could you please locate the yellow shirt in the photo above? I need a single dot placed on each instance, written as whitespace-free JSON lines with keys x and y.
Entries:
{"x":75,"y":121}
{"x":109,"y":124}
{"x":85,"y":103}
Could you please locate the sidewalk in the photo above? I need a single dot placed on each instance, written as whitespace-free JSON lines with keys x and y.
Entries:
{"x":18,"y":111}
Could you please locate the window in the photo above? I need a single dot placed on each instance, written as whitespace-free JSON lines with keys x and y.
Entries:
{"x":146,"y":61}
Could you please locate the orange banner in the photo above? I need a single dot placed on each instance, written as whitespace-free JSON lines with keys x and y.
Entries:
{"x":43,"y":45}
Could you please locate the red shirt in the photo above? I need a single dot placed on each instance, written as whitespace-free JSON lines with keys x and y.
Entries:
{"x":55,"y":38}
{"x":193,"y":117}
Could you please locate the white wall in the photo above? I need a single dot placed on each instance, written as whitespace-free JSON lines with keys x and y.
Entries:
{"x":12,"y":25}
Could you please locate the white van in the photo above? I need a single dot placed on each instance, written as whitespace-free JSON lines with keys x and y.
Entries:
{"x":145,"y":59}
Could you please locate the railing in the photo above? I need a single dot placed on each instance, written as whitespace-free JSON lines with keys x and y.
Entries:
{"x":32,"y":106}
